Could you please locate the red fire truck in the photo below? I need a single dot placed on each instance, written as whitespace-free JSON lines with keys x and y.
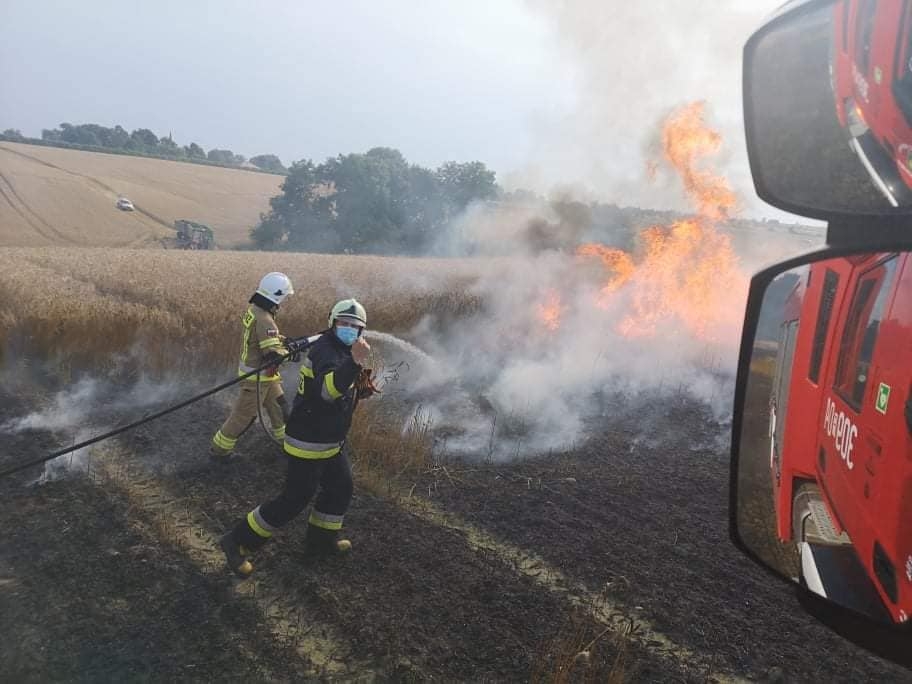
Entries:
{"x":842,"y":473}
{"x":871,"y":70}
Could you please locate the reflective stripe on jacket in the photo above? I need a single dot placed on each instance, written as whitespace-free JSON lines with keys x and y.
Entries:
{"x":325,"y":402}
{"x":260,"y":335}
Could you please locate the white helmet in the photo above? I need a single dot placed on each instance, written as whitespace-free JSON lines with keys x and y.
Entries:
{"x":275,"y":287}
{"x":349,"y":310}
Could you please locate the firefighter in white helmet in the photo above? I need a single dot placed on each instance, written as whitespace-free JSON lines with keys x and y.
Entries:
{"x":333,"y":379}
{"x":260,"y":343}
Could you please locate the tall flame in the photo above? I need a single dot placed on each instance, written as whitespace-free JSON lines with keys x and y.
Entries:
{"x":686,"y":140}
{"x":687,"y":274}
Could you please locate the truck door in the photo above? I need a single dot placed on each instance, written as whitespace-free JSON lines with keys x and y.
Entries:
{"x":851,"y":438}
{"x":891,"y":487}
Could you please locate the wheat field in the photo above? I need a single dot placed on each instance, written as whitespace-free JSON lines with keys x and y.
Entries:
{"x":52,"y":196}
{"x":87,"y":306}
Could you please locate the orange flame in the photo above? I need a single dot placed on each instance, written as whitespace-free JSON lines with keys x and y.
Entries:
{"x":615,"y":260}
{"x":686,"y":140}
{"x":687,"y":273}
{"x":549,"y":313}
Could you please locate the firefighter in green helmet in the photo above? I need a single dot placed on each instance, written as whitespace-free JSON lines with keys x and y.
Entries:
{"x":333,"y":379}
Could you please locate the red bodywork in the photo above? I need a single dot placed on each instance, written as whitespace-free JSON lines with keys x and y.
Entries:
{"x":851,"y":320}
{"x":872,"y":79}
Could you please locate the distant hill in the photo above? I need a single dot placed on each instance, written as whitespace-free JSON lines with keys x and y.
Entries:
{"x":53,"y":196}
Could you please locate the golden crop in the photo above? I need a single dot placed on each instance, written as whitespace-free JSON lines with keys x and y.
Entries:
{"x":180,"y":310}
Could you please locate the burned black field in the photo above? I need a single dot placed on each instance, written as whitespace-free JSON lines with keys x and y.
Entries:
{"x":608,"y":563}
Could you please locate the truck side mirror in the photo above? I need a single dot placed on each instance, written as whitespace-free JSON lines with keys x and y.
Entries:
{"x":821,"y":484}
{"x":828,"y":108}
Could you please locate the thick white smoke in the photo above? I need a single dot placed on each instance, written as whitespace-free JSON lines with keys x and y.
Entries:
{"x":635,"y":62}
{"x":502,"y":384}
{"x":88,"y":407}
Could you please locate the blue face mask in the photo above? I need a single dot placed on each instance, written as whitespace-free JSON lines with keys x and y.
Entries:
{"x":347,"y":335}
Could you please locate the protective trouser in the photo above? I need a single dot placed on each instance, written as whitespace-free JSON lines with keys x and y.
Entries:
{"x":333,"y":477}
{"x":244,"y":413}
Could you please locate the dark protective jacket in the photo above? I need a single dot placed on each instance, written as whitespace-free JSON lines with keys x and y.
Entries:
{"x":325,"y":401}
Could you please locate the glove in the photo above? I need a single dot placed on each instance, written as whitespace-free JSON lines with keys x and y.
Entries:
{"x":273,"y":359}
{"x":295,"y":347}
{"x":364,"y":385}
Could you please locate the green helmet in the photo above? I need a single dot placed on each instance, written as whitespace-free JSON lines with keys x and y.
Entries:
{"x":349,"y":310}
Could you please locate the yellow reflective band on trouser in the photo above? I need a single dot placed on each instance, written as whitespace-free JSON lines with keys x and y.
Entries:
{"x":307,"y":372}
{"x":312,"y":450}
{"x":243,"y":370}
{"x":223,"y":442}
{"x":279,"y":433}
{"x":326,"y":520}
{"x":330,"y":385}
{"x":258,"y":525}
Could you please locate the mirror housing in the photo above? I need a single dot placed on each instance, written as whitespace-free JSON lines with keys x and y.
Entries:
{"x":828,"y":108}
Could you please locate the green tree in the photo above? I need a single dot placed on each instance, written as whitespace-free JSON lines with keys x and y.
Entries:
{"x":13,"y":134}
{"x":194,"y":151}
{"x":466,"y":183}
{"x":80,"y":134}
{"x":143,"y":139}
{"x":117,"y":138}
{"x":374,"y":202}
{"x":295,"y":211}
{"x":169,"y":148}
{"x":268,"y":162}
{"x":221,"y":156}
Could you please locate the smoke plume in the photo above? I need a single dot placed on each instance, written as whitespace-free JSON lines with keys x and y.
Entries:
{"x":635,"y":62}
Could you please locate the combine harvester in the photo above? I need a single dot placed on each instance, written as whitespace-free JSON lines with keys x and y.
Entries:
{"x":192,"y":235}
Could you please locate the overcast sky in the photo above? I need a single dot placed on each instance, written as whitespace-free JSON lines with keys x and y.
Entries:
{"x":544,"y":92}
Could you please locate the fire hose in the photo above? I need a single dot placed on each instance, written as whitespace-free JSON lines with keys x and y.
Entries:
{"x":294,"y":345}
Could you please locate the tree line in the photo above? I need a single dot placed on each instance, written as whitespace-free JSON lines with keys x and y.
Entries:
{"x":375,"y":202}
{"x":142,"y":141}
{"x":378,"y":203}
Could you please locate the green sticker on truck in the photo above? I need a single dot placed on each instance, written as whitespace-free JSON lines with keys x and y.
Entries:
{"x":883,"y":398}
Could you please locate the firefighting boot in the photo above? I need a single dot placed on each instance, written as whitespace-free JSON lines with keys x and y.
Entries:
{"x":220,"y":456}
{"x":321,"y":542}
{"x":236,"y":556}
